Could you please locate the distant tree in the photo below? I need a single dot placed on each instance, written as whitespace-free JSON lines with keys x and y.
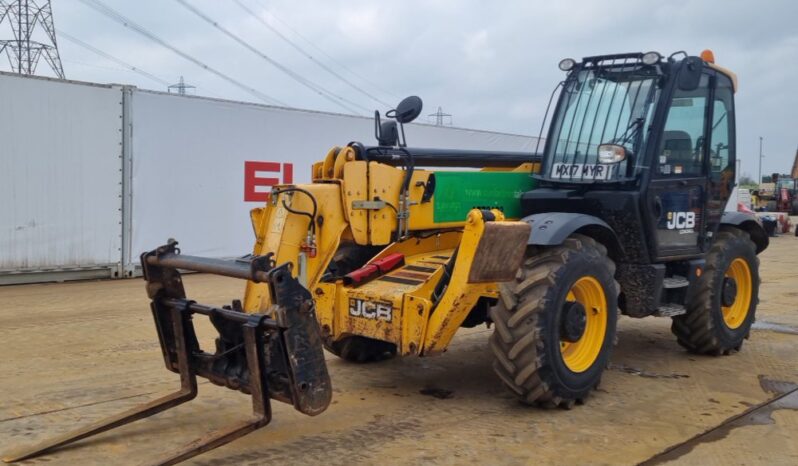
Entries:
{"x":747,"y":180}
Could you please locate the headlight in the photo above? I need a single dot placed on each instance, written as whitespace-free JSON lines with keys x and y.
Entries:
{"x":566,"y":64}
{"x":651,"y":58}
{"x":611,"y":153}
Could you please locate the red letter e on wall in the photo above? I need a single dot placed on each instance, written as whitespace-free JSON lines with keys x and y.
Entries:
{"x":252,"y":180}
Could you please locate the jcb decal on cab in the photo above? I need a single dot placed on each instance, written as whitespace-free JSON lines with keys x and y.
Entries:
{"x":681,"y":220}
{"x":376,"y":310}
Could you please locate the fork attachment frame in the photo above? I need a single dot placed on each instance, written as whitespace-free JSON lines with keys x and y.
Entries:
{"x":277,"y":354}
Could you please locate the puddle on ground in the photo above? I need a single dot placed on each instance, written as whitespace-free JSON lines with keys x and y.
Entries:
{"x":761,"y":414}
{"x":645,"y":373}
{"x":774,"y":327}
{"x":441,"y":393}
{"x":776,"y":387}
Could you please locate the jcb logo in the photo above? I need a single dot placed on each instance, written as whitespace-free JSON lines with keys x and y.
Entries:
{"x":376,"y":310}
{"x":681,"y":220}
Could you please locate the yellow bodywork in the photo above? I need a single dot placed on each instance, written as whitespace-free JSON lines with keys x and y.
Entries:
{"x":418,"y":306}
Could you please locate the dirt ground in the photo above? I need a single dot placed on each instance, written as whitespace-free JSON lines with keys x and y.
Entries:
{"x":76,"y":352}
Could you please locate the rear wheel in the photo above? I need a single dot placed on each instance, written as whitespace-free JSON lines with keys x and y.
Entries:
{"x":555,"y":324}
{"x":361,"y":349}
{"x":722,"y":307}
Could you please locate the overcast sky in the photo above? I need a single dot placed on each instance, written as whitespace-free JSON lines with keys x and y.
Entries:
{"x":492,"y":65}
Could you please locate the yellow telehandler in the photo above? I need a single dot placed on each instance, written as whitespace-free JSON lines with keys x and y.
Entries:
{"x":391,"y":249}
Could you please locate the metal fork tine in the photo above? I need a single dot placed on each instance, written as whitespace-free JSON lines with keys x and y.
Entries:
{"x":213,"y":440}
{"x":187,"y":392}
{"x":126,"y":417}
{"x":260,"y":404}
{"x":260,"y":341}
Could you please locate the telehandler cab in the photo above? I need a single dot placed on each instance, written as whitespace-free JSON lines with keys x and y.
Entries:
{"x":379,"y":256}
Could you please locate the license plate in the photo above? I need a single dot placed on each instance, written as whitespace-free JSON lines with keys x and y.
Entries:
{"x":581,"y":171}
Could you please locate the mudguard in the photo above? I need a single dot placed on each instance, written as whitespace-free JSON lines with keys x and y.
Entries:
{"x":749,"y":223}
{"x":550,"y":229}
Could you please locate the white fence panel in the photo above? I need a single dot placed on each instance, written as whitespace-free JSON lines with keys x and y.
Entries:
{"x":196,"y":161}
{"x":60,"y":181}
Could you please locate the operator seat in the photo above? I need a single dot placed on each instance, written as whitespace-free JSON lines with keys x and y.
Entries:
{"x":680,"y":147}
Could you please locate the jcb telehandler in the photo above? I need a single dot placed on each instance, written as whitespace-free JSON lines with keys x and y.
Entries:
{"x":624,"y":211}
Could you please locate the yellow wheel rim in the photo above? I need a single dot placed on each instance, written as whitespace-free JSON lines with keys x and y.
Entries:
{"x":579,"y":355}
{"x":734,"y":315}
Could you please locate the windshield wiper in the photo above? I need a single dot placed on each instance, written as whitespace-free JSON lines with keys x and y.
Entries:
{"x":631,"y":132}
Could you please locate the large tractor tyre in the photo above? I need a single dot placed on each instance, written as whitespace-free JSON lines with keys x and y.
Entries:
{"x":361,"y":349}
{"x":794,"y":207}
{"x":722,"y":306}
{"x":555,"y":324}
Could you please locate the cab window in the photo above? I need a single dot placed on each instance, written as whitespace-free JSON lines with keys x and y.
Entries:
{"x":721,"y":148}
{"x":681,"y":150}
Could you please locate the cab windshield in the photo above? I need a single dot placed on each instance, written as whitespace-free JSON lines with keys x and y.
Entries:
{"x":600,"y":106}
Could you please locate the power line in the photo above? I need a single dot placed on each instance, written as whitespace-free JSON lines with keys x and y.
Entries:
{"x":109,"y":12}
{"x":299,"y":49}
{"x":127,"y":66}
{"x":94,"y":65}
{"x":320,"y":50}
{"x":297,"y":77}
{"x":108,"y":56}
{"x":340,"y":101}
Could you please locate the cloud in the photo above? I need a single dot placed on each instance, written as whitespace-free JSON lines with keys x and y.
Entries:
{"x":476,"y":47}
{"x":491,"y":65}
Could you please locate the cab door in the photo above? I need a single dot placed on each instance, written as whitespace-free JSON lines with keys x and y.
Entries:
{"x":721,"y":150}
{"x":678,"y":192}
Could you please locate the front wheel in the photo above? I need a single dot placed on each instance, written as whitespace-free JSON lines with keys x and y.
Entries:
{"x":555,"y":324}
{"x":722,"y":305}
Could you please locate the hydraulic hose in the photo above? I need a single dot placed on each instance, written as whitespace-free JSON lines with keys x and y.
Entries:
{"x":310,"y":215}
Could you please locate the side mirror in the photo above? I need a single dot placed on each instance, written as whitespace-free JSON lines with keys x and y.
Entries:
{"x":408,"y":109}
{"x":387,"y":133}
{"x":690,"y":74}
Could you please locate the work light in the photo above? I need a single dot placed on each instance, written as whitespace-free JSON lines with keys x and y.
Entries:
{"x":566,"y":64}
{"x":651,"y":58}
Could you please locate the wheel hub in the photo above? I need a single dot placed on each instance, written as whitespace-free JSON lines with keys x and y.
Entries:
{"x":729,"y":293}
{"x":574,"y":321}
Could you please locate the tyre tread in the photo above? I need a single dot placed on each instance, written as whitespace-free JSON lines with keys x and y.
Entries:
{"x":696,"y":331}
{"x":519,"y":341}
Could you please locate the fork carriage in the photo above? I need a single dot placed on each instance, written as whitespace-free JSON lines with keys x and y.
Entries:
{"x":277,"y":355}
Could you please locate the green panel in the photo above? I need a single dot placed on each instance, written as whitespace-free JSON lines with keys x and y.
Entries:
{"x":458,"y":192}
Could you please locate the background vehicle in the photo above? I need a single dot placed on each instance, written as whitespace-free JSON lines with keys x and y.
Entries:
{"x":778,"y":195}
{"x":786,"y":194}
{"x":623,"y":211}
